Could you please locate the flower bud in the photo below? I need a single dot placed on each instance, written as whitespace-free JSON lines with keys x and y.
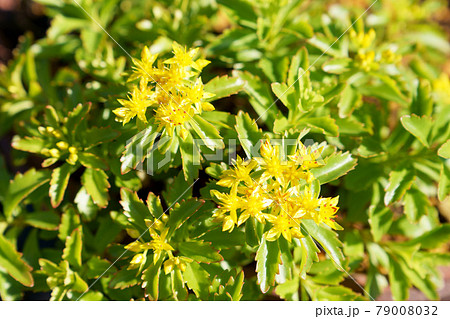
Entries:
{"x":62,"y":145}
{"x":54,"y":152}
{"x":42,"y":130}
{"x":57,"y":134}
{"x":72,"y":159}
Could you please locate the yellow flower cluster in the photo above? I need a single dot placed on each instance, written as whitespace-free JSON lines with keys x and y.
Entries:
{"x":172,"y":88}
{"x":274,"y":190}
{"x":366,"y":59}
{"x":159,"y":245}
{"x":61,"y":149}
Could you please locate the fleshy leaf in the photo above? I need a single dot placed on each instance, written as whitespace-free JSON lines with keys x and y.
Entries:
{"x":248,"y":132}
{"x":11,"y":261}
{"x":399,"y":182}
{"x":72,"y":252}
{"x":267,"y":263}
{"x":444,"y":150}
{"x":21,"y":186}
{"x":420,"y":127}
{"x":223,"y":86}
{"x":327,"y":239}
{"x":335,"y":166}
{"x":96,"y":184}
{"x":200,"y":251}
{"x":58,"y":183}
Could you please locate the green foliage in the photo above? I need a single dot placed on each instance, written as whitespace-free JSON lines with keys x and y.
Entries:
{"x":94,"y":209}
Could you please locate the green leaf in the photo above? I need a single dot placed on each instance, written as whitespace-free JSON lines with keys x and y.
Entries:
{"x":177,"y":190}
{"x":179,"y":289}
{"x":376,"y":282}
{"x":380,"y":220}
{"x":324,"y":44}
{"x":99,"y":135}
{"x":444,"y":150}
{"x":248,"y":132}
{"x":97,"y":267}
{"x":335,"y":166}
{"x":274,"y":68}
{"x":423,"y":69}
{"x":299,"y":61}
{"x":124,"y":278}
{"x":267,"y":263}
{"x":134,"y":208}
{"x":426,"y":285}
{"x":92,"y":161}
{"x":137,"y":149}
{"x":415,"y":204}
{"x":444,"y":182}
{"x":325,"y":272}
{"x":328,"y":239}
{"x":386,"y":89}
{"x":224,"y":239}
{"x":106,"y":233}
{"x":398,"y":282}
{"x":350,"y":126}
{"x":324,"y":125}
{"x":200,"y":251}
{"x":207,"y":132}
{"x":286,"y":268}
{"x":260,"y":97}
{"x":96,"y":184}
{"x":370,"y":147}
{"x":180,"y":212}
{"x":422,"y":103}
{"x":288,"y":290}
{"x":11,"y":262}
{"x":85,"y":205}
{"x":21,"y":186}
{"x":190,"y":156}
{"x":334,"y":293}
{"x":234,"y":287}
{"x":197,"y":280}
{"x":93,"y":296}
{"x":420,"y":127}
{"x":69,"y":221}
{"x":72,"y":252}
{"x":242,"y":9}
{"x":151,"y":278}
{"x":251,"y":234}
{"x":28,"y":144}
{"x":76,"y":116}
{"x":304,"y":28}
{"x":58,"y":183}
{"x":353,"y":244}
{"x":51,"y":116}
{"x":349,"y":100}
{"x":309,"y":255}
{"x":47,"y":220}
{"x":433,"y":238}
{"x":399,"y":182}
{"x":286,"y":94}
{"x":10,"y":290}
{"x":223,"y":86}
{"x":337,"y":65}
{"x":154,"y":205}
